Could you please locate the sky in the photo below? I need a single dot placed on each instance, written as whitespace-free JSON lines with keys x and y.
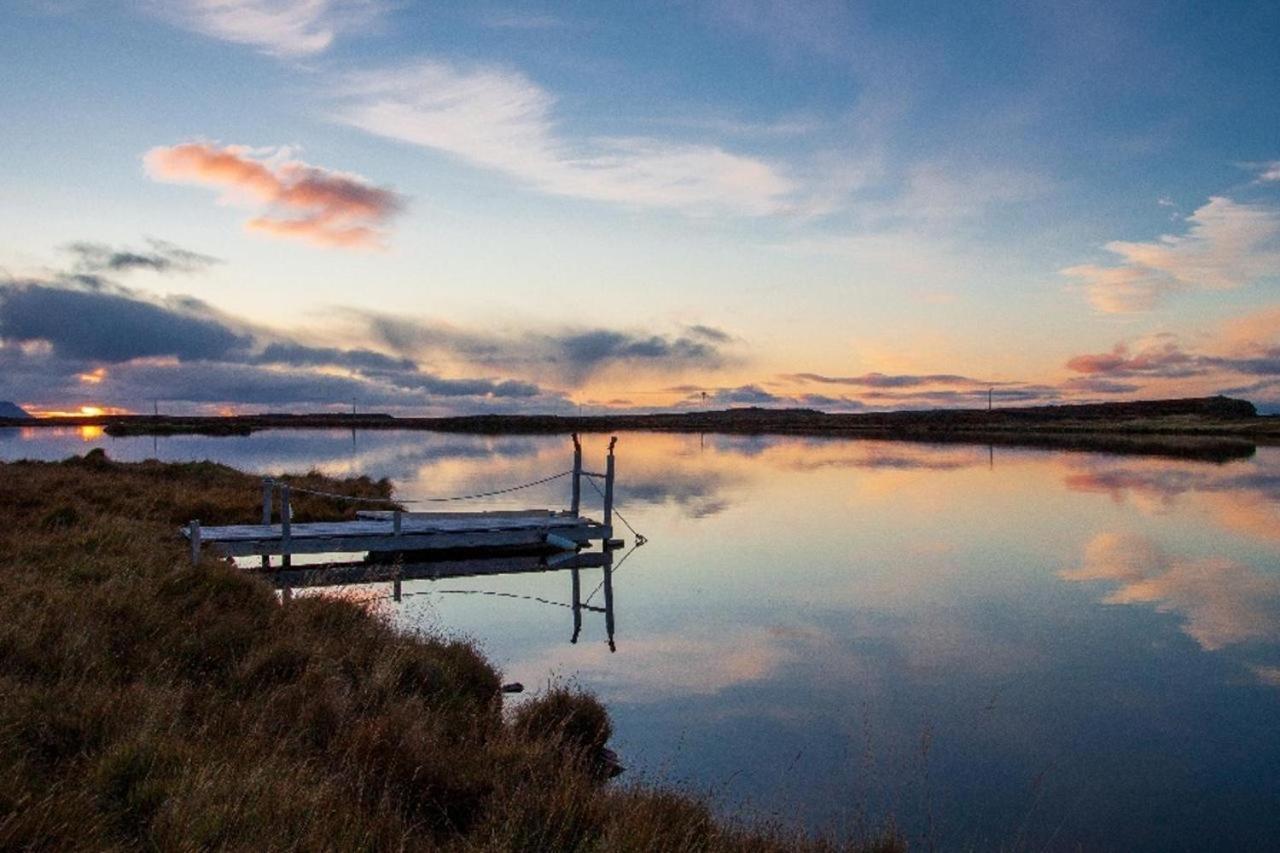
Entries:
{"x":436,"y":208}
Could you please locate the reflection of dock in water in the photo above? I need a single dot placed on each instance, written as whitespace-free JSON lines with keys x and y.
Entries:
{"x":401,"y":545}
{"x":395,"y":573}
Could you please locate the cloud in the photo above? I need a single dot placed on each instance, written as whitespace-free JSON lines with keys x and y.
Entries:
{"x":1164,"y":357}
{"x":1269,"y":172}
{"x":523,"y":21}
{"x":945,"y":191}
{"x":881,"y":380}
{"x":112,"y":324}
{"x":1227,"y":245}
{"x":571,"y":354}
{"x":285,"y":28}
{"x":305,"y":202}
{"x":501,"y":120}
{"x":357,"y":359}
{"x":159,"y":257}
{"x":1222,"y":602}
{"x":56,"y":336}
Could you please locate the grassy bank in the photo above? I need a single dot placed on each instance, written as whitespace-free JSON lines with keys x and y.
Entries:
{"x":151,"y":704}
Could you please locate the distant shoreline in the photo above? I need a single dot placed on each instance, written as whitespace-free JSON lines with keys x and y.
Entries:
{"x":1214,"y":428}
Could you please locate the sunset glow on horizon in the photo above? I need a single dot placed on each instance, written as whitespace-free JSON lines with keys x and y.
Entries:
{"x":265,"y":205}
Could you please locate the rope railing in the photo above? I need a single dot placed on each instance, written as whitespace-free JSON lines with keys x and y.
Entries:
{"x":640,"y":537}
{"x":358,"y":499}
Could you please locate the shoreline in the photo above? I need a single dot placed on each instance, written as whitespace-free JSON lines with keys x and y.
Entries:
{"x":1217,"y":429}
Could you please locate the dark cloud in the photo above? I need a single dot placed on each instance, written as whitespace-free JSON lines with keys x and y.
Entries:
{"x":586,"y":350}
{"x":749,"y":395}
{"x":356,"y":359}
{"x":113,"y":325}
{"x":572,"y":355}
{"x":971,"y":398}
{"x":710,"y":333}
{"x":160,"y":257}
{"x":62,"y":340}
{"x":1098,"y":385}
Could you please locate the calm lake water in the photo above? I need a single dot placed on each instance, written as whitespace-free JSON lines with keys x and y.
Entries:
{"x":1012,"y":647}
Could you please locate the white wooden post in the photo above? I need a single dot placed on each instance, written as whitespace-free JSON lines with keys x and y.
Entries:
{"x":193,"y":533}
{"x":286,"y":524}
{"x":608,"y":485}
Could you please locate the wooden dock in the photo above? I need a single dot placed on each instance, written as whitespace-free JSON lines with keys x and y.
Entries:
{"x":395,"y":530}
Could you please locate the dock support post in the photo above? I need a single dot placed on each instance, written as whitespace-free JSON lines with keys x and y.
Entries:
{"x":608,"y":485}
{"x":395,"y":523}
{"x":576,"y":506}
{"x":193,"y":533}
{"x":286,"y":525}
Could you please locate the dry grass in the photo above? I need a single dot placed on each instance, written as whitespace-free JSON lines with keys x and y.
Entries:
{"x":149,"y":704}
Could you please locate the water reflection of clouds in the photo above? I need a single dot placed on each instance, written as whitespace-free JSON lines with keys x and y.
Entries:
{"x":1244,"y":498}
{"x":1222,"y":602}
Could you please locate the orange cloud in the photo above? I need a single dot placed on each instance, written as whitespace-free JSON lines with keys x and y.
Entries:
{"x":304,"y":202}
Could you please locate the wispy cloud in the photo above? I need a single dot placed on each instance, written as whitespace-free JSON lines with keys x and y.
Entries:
{"x":1228,"y":244}
{"x":1269,"y":172}
{"x":302,"y":201}
{"x":286,"y":28}
{"x":883,"y":380}
{"x":515,"y":20}
{"x":159,"y":257}
{"x":501,"y":120}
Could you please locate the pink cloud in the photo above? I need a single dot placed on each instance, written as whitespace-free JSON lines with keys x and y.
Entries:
{"x":302,"y":201}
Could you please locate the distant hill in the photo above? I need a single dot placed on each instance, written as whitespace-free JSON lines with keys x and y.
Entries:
{"x":11,"y":410}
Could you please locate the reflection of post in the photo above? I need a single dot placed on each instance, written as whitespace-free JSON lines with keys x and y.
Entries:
{"x":577,"y":603}
{"x":608,"y":588}
{"x":577,"y":476}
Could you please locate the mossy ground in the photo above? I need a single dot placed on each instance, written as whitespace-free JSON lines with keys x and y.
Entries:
{"x":151,"y":704}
